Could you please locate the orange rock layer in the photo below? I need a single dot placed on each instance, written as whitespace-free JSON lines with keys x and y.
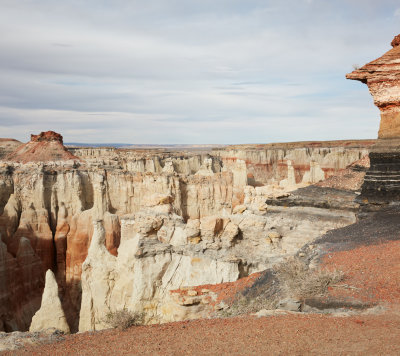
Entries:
{"x":383,"y":79}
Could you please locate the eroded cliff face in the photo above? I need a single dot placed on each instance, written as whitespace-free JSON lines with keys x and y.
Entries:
{"x":160,"y":253}
{"x":383,"y":79}
{"x":162,"y":221}
{"x":382,"y":182}
{"x":290,"y":165}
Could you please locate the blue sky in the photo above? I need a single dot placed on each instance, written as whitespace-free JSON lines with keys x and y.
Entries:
{"x":190,"y":71}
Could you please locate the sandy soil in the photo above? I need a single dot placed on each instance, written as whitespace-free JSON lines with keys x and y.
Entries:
{"x":283,"y":335}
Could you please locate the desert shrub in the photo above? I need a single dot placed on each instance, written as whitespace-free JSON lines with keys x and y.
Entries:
{"x":123,"y":319}
{"x":245,"y":305}
{"x":261,"y":295}
{"x":301,"y":282}
{"x":292,"y":278}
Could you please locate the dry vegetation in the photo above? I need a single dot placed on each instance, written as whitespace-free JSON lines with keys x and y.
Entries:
{"x":123,"y":319}
{"x":302,"y":282}
{"x":290,"y":279}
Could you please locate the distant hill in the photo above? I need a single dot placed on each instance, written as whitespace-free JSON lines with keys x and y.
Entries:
{"x":144,"y":146}
{"x":80,"y":144}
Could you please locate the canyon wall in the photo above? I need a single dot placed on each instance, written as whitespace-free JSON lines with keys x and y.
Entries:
{"x":287,"y":166}
{"x":123,"y":228}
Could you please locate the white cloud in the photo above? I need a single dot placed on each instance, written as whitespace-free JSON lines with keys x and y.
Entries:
{"x":217,"y":71}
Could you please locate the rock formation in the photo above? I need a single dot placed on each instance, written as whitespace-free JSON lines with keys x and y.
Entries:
{"x":383,"y":79}
{"x":159,"y":253}
{"x":291,"y":164}
{"x":21,"y":284}
{"x":163,"y":221}
{"x":47,"y":146}
{"x":382,"y":182}
{"x":51,"y":314}
{"x":8,"y":145}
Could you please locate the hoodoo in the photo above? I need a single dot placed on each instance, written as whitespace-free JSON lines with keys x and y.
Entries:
{"x":382,"y":181}
{"x":165,"y":223}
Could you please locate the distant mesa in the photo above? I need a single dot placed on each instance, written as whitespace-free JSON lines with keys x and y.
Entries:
{"x":45,"y":147}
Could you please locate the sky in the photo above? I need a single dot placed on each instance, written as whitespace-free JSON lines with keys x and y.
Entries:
{"x":190,"y":71}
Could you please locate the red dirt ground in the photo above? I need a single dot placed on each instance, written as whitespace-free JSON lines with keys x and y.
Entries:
{"x":374,"y":269}
{"x":283,"y":335}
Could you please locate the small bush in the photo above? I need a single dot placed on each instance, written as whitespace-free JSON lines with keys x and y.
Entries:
{"x":262,"y":295}
{"x":290,"y":279}
{"x":301,"y":282}
{"x":245,"y":305}
{"x":123,"y":319}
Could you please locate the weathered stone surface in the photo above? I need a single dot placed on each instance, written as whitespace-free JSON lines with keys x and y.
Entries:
{"x":21,"y":283}
{"x":98,"y":278}
{"x":167,"y":223}
{"x":293,"y":164}
{"x":383,"y":79}
{"x":34,"y":225}
{"x":382,"y":181}
{"x":51,"y":314}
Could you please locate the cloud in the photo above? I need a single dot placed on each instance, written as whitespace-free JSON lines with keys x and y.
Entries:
{"x":212,"y":71}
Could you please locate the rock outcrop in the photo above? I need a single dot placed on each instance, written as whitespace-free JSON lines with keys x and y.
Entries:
{"x":21,"y":285}
{"x":51,"y":314}
{"x":382,"y":181}
{"x":291,"y":165}
{"x":47,"y":146}
{"x":168,"y":221}
{"x":160,"y":253}
{"x":383,"y":79}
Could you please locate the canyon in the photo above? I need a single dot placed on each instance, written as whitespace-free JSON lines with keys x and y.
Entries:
{"x":170,"y":233}
{"x":127,"y":228}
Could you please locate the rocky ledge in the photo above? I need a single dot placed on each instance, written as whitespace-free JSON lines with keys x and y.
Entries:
{"x":382,"y":180}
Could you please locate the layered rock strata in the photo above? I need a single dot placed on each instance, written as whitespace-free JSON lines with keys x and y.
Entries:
{"x":291,"y":165}
{"x":382,"y":76}
{"x":382,"y":181}
{"x":47,"y":146}
{"x":168,"y":221}
{"x":160,"y":253}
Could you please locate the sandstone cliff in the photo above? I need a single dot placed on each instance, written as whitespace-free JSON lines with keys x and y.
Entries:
{"x":168,"y":220}
{"x":383,"y":79}
{"x":382,"y":183}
